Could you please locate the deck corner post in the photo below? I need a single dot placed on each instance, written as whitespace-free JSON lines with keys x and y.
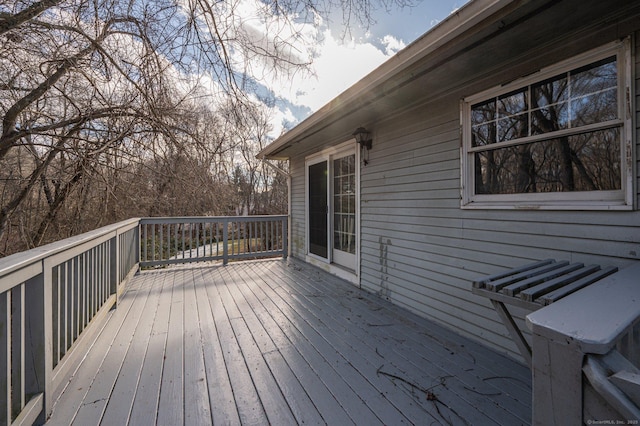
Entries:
{"x":557,"y":382}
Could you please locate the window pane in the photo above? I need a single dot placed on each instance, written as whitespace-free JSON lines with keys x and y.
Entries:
{"x":344,"y":204}
{"x":593,"y":78}
{"x":594,"y":93}
{"x":549,"y":92}
{"x":550,"y":118}
{"x":584,"y":162}
{"x":483,"y":134}
{"x":595,"y":108}
{"x":512,"y":103}
{"x":484,"y":112}
{"x":514,"y":127}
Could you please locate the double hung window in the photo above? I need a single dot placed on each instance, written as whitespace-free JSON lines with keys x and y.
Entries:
{"x":558,"y":139}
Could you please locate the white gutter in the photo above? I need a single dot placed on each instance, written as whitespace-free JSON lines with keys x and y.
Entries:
{"x":453,"y":26}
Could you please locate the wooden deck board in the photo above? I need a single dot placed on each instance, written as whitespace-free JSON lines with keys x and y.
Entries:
{"x":361,"y":344}
{"x":221,"y":401}
{"x":88,"y":393}
{"x":118,"y":408}
{"x":456,"y":369}
{"x":196,"y":393}
{"x":282,"y":343}
{"x":145,"y":404}
{"x":326,"y":408}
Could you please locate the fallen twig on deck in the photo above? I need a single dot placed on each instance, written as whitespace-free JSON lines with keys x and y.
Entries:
{"x":483,"y":393}
{"x":430,"y":396}
{"x":506,"y":377}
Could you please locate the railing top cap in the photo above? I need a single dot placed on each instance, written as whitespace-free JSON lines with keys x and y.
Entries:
{"x":201,"y":219}
{"x":23,"y":259}
{"x":595,"y":317}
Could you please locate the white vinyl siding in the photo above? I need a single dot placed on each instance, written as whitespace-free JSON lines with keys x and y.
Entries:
{"x":420,"y":250}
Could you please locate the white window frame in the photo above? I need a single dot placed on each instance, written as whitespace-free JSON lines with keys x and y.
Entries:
{"x":621,"y":199}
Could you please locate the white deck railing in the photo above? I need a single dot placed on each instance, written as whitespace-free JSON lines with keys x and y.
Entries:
{"x":196,"y":239}
{"x":53,"y":297}
{"x":49,"y":298}
{"x":586,"y":354}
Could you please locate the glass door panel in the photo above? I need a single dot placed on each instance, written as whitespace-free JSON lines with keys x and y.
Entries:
{"x":344,"y":210}
{"x":318,"y":209}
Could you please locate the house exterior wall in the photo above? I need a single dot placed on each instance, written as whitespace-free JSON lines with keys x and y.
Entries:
{"x":420,"y":250}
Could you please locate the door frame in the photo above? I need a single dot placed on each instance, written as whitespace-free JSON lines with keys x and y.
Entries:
{"x":328,"y":155}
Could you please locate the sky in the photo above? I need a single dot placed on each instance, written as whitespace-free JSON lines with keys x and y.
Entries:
{"x":338,"y":64}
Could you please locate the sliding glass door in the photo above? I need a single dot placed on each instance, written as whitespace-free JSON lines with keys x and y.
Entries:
{"x":332,"y":208}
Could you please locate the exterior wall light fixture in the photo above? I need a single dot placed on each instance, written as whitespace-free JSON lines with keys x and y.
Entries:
{"x":363,"y":138}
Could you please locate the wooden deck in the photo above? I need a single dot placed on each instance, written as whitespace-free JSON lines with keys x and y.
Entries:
{"x":281,"y":342}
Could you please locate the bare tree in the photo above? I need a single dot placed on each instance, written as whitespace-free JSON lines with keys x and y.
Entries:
{"x":96,"y":96}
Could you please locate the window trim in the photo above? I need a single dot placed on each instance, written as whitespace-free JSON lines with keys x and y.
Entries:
{"x":621,"y":199}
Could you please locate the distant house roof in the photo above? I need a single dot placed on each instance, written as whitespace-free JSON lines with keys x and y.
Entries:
{"x":469,"y":48}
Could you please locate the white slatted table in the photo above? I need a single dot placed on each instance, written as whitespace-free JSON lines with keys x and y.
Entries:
{"x":533,"y":286}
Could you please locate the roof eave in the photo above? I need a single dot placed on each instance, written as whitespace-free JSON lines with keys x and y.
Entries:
{"x":454,"y":25}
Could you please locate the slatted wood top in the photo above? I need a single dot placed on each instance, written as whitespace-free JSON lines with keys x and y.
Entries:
{"x":540,"y":283}
{"x":282,"y":342}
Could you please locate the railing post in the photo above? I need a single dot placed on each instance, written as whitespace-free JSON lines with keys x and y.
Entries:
{"x":38,"y":340}
{"x":225,"y":241}
{"x":285,"y":237}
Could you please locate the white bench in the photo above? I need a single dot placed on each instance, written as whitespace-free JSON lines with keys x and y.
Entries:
{"x":533,"y":286}
{"x":586,"y":353}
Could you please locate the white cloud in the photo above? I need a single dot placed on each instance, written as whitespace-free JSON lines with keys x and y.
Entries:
{"x":392,"y":44}
{"x":336,"y":64}
{"x":336,"y":67}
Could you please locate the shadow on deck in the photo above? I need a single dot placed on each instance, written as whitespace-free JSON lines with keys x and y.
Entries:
{"x":282,"y":342}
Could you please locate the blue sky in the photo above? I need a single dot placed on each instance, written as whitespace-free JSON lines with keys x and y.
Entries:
{"x":339,"y":63}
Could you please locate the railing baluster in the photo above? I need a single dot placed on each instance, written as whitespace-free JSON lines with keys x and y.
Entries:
{"x":102,"y":264}
{"x":76,"y":297}
{"x":68,"y":318}
{"x":56,"y":323}
{"x":98,"y":270}
{"x":94,"y":283}
{"x":82,"y":294}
